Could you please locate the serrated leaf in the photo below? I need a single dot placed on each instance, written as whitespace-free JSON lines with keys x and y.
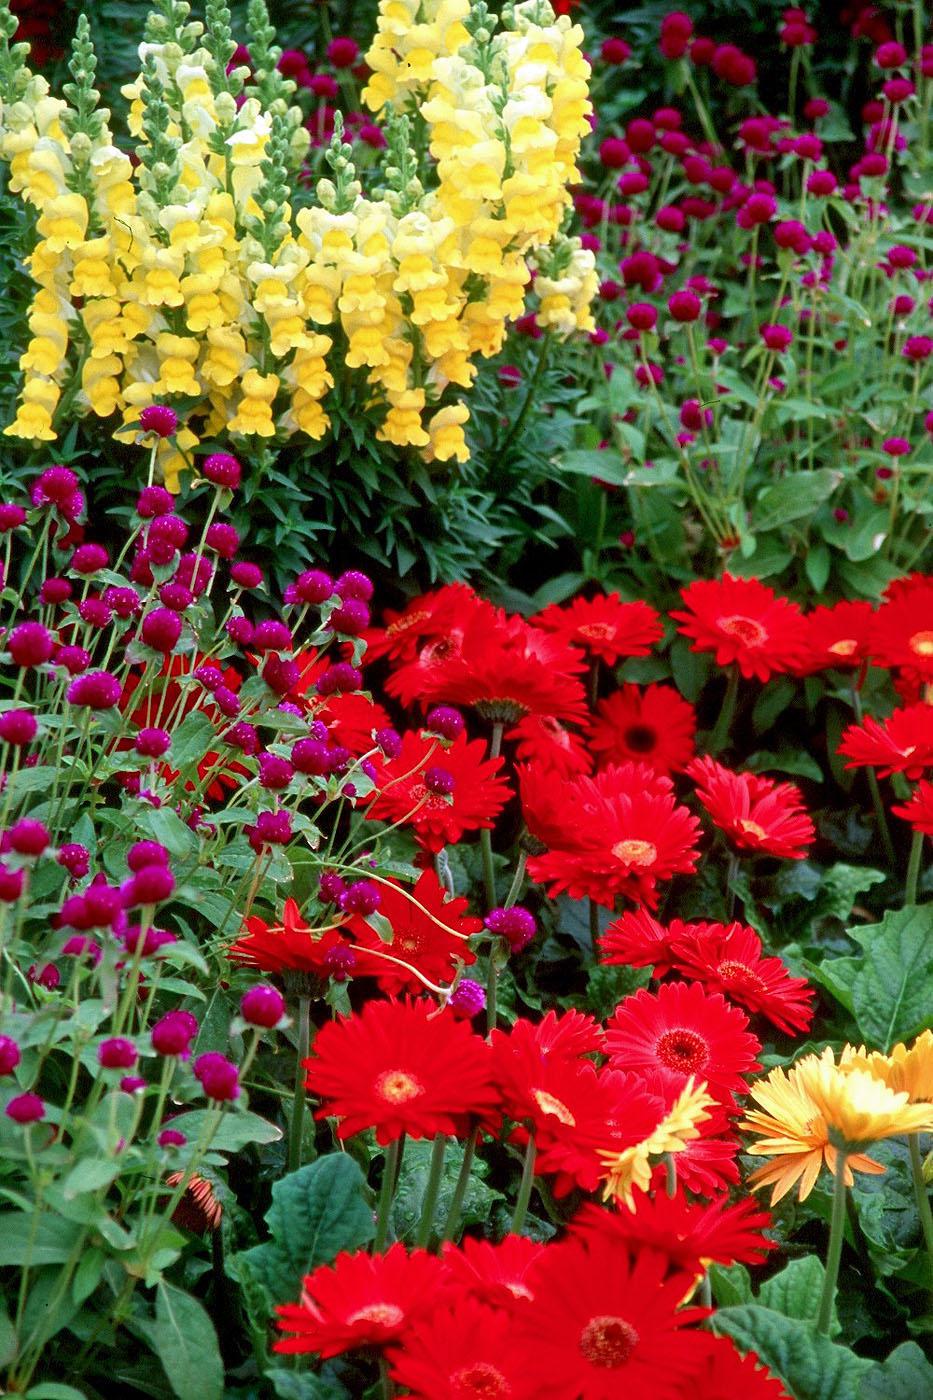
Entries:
{"x":892,"y":996}
{"x":186,"y":1344}
{"x":235,"y":1130}
{"x":796,"y":1290}
{"x":416,"y":1161}
{"x":797,"y":495}
{"x":904,"y":1375}
{"x":811,"y":1366}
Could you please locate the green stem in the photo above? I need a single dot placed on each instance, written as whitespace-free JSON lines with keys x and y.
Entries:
{"x":921,"y":1195}
{"x":913,"y":869}
{"x":884,"y":831}
{"x":460,"y":1189}
{"x":834,"y":1252}
{"x":298,"y":1105}
{"x":530,"y":397}
{"x":390,"y":1169}
{"x":594,"y":923}
{"x":431,"y":1191}
{"x":524,"y":1189}
{"x":386,"y":1387}
{"x":726,"y":714}
{"x":489,"y":869}
{"x":517,"y":881}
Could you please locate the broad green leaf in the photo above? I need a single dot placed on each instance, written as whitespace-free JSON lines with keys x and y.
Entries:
{"x":892,"y":995}
{"x":796,"y":1290}
{"x":186,"y":1343}
{"x":305,"y":1385}
{"x":316,"y":1212}
{"x":192,"y":739}
{"x":48,"y":1241}
{"x":886,"y":1208}
{"x":89,"y":1175}
{"x":54,"y":1390}
{"x":731,"y":1285}
{"x":7,"y":1336}
{"x":606,"y":465}
{"x":235,"y":1130}
{"x":812,"y":1367}
{"x":797,"y":495}
{"x":406,"y":1209}
{"x":163,"y":825}
{"x":904,"y":1375}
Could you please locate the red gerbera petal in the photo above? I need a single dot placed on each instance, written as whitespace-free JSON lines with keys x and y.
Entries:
{"x":919,"y":809}
{"x":757,"y":814}
{"x":429,"y":932}
{"x":682,"y":1031}
{"x":837,"y":638}
{"x":654,"y":726}
{"x":741,"y":620}
{"x":636,"y":939}
{"x":542,"y":740}
{"x":729,"y":959}
{"x":604,"y":626}
{"x":689,"y":1233}
{"x":431,"y":615}
{"x":477,"y":797}
{"x":292,"y":946}
{"x":903,"y":630}
{"x":903,"y":743}
{"x":464,"y":1352}
{"x":499,"y":1275}
{"x":400,"y":1067}
{"x":725,"y":1375}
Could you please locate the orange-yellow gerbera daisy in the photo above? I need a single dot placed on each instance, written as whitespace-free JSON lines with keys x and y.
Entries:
{"x":907,"y":1071}
{"x":633,"y":1165}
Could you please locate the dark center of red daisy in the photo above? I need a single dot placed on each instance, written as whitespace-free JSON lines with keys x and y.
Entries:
{"x":597,"y":631}
{"x":378,"y":1315}
{"x":480,"y":1378}
{"x":740,"y":976}
{"x":640,"y":738}
{"x":608,"y":1341}
{"x":746,"y":629}
{"x":398,"y":1086}
{"x":683,"y":1050}
{"x":921,"y":644}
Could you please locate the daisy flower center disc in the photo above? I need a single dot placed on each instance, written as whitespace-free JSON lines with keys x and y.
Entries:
{"x":736,"y":974}
{"x":745,"y":628}
{"x":682,"y":1050}
{"x":382,"y":1314}
{"x":482,"y":1380}
{"x":398,"y":1086}
{"x":548,"y":1104}
{"x":597,"y":631}
{"x":405,"y":624}
{"x":640,"y":738}
{"x":921,"y":643}
{"x":608,"y":1341}
{"x":640,"y":853}
{"x":846,"y":647}
{"x":753,"y":829}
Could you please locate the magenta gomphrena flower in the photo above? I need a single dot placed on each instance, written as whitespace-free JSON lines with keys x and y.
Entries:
{"x":676,"y":32}
{"x":143,"y":853}
{"x":176,"y":597}
{"x":47,"y":976}
{"x":11,"y":516}
{"x":614,"y":152}
{"x":11,"y":885}
{"x":246,"y":575}
{"x":445,"y":721}
{"x":9,"y":1055}
{"x":151,"y":885}
{"x":227,"y":702}
{"x":223,"y":470}
{"x":173,"y":1033}
{"x":890,"y":55}
{"x":275,"y":773}
{"x":240,"y":630}
{"x":272,"y":635}
{"x":18,"y":727}
{"x":73,"y":659}
{"x":439,"y":781}
{"x":331,"y":887}
{"x":467,"y":999}
{"x":55,"y":486}
{"x":342,"y":51}
{"x":896,"y":446}
{"x":341,"y":677}
{"x":74,"y":858}
{"x":95,"y":690}
{"x":642,"y":316}
{"x":615,"y":51}
{"x":28,"y":837}
{"x":30,"y":644}
{"x":158,"y":418}
{"x":516,"y":925}
{"x":244,"y":736}
{"x":313,"y":586}
{"x":89,"y":559}
{"x":353,"y":584}
{"x":95,"y":612}
{"x":776,"y":337}
{"x":362,"y":897}
{"x":218,"y":1076}
{"x":262,"y":1006}
{"x":918,"y":347}
{"x":685,"y":306}
{"x":25,"y":1109}
{"x":311,"y":756}
{"x":161,"y":629}
{"x":132,"y":1083}
{"x":195,"y":572}
{"x":390,"y":741}
{"x":81,"y":947}
{"x":153,"y":501}
{"x":223,"y":539}
{"x":271,"y":829}
{"x":171,"y":1137}
{"x":152,"y":743}
{"x":117,"y":1053}
{"x":55,"y":591}
{"x":351,"y":618}
{"x":509,"y":376}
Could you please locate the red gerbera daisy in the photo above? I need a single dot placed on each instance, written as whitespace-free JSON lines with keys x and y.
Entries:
{"x":606,"y":1322}
{"x":903,"y":743}
{"x":903,"y":630}
{"x":351,"y":720}
{"x":604,"y":626}
{"x":545,"y":797}
{"x":690,"y":1233}
{"x":292,"y":946}
{"x":757,"y":814}
{"x":360,"y":1300}
{"x":474,"y":798}
{"x":400,"y":1067}
{"x":430,"y":615}
{"x":742,"y":620}
{"x":548,"y":743}
{"x":568,"y":1034}
{"x":429,"y":933}
{"x":919,"y":809}
{"x":499,"y":1275}
{"x":624,"y":832}
{"x":636,"y":939}
{"x":837,"y":637}
{"x":682,"y":1031}
{"x":725,"y":1375}
{"x":464,"y":1352}
{"x":729,"y":959}
{"x":503,"y":666}
{"x":654,"y":726}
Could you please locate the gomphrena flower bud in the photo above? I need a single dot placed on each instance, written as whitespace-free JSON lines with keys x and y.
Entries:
{"x":363,"y":897}
{"x":55,"y":486}
{"x":117,"y":1053}
{"x":55,"y":591}
{"x":331,"y":888}
{"x":246,"y":575}
{"x":11,"y":516}
{"x":153,"y":501}
{"x":28,"y":837}
{"x":218,"y":1076}
{"x":223,"y":470}
{"x":25,"y":1108}
{"x":75,"y":858}
{"x":30,"y":644}
{"x":173,"y":1033}
{"x":158,"y":418}
{"x":467,"y":999}
{"x":262,"y":1006}
{"x":341,"y":677}
{"x":342,"y":51}
{"x":18,"y":727}
{"x":9,"y":1054}
{"x":351,"y":618}
{"x":390,"y":741}
{"x":516,"y":925}
{"x":144,"y":853}
{"x":152,"y":743}
{"x":353,"y":584}
{"x":161,"y":629}
{"x":132,"y":1083}
{"x":445,"y":721}
{"x":75,"y":660}
{"x":171,"y":1137}
{"x":313,"y":586}
{"x":272,"y":635}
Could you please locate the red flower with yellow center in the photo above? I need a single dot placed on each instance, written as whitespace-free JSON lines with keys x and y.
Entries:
{"x":690,"y":1234}
{"x":654,"y":726}
{"x":476,"y":797}
{"x":919,"y":809}
{"x":729,"y":959}
{"x":462,"y":1352}
{"x":903,"y":630}
{"x":903,"y":743}
{"x":604,"y":626}
{"x":757,"y":814}
{"x":430,"y":615}
{"x":837,"y":638}
{"x":428,"y":933}
{"x":741,"y":620}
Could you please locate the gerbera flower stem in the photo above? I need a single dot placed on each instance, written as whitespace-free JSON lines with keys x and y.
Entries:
{"x":881,"y":816}
{"x":460,"y":1189}
{"x":921,"y":1193}
{"x":913,"y":868}
{"x":726,"y":714}
{"x":390,"y":1171}
{"x":385,"y":1380}
{"x":518,"y":879}
{"x":524,"y":1188}
{"x":298,"y":1102}
{"x":834,"y":1252}
{"x":431,"y":1191}
{"x":485,"y":836}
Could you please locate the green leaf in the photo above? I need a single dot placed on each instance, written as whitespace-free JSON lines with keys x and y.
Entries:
{"x":54,"y":1390}
{"x":89,"y":1175}
{"x":50,"y":1244}
{"x":7,"y":1336}
{"x":606,"y":465}
{"x":416,"y":1160}
{"x":235,"y":1130}
{"x":186,"y":1343}
{"x":812,"y":1367}
{"x":904,"y":1375}
{"x":816,"y":566}
{"x":731,"y":1285}
{"x":192,"y":739}
{"x":316,"y":1212}
{"x":305,"y":1385}
{"x":797,"y":495}
{"x":796,"y":1290}
{"x":892,"y":996}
